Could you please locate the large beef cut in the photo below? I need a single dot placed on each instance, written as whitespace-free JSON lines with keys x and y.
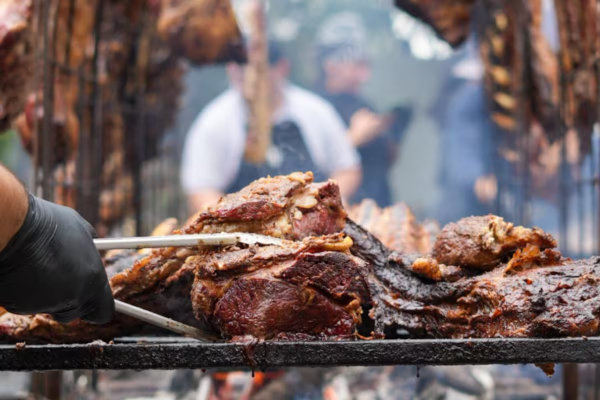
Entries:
{"x":485,"y":242}
{"x":537,"y":294}
{"x":332,"y":279}
{"x":291,"y":207}
{"x":313,"y":288}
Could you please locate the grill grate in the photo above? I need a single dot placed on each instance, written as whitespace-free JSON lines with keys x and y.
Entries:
{"x":166,"y":353}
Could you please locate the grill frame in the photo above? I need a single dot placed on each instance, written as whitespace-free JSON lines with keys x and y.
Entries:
{"x":174,"y":353}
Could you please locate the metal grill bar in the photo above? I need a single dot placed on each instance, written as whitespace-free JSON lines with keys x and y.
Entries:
{"x":184,"y":354}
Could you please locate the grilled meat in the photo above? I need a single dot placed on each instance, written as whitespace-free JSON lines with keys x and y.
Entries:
{"x":203,"y":31}
{"x":547,"y":297}
{"x":255,"y":86}
{"x":140,"y":51}
{"x":270,"y":206}
{"x":544,"y":73}
{"x":449,"y":18}
{"x":314,"y":287}
{"x":16,"y":61}
{"x":501,"y":44}
{"x":518,"y":61}
{"x":536,"y":294}
{"x":578,"y":34}
{"x":320,"y":285}
{"x":290,"y":207}
{"x":485,"y":242}
{"x":395,"y":226}
{"x":68,"y":42}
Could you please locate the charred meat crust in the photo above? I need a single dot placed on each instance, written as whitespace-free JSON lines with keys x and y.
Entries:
{"x":485,"y":278}
{"x":485,"y":242}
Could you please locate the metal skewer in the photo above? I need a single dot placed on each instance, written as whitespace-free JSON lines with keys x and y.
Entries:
{"x":215,"y":239}
{"x":162,"y":322}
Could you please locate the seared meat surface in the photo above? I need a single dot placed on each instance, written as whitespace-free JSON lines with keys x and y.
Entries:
{"x":549,"y":297}
{"x":449,"y":18}
{"x":335,"y":280}
{"x":314,"y":287}
{"x":15,"y":58}
{"x":484,"y":242}
{"x":203,"y":31}
{"x":289,"y":206}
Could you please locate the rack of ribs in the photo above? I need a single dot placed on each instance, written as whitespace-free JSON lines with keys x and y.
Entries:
{"x":516,"y":55}
{"x":395,"y":226}
{"x":334,"y":280}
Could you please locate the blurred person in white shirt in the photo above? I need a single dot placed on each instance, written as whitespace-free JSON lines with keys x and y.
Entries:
{"x":307,"y":135}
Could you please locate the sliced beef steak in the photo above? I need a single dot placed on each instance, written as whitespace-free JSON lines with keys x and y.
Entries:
{"x":265,"y":308}
{"x":314,"y":287}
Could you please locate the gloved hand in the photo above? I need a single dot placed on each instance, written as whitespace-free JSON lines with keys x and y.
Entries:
{"x":52,"y":266}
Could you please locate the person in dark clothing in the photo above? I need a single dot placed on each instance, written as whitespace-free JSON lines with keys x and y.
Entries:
{"x":468,"y":140}
{"x":344,"y":70}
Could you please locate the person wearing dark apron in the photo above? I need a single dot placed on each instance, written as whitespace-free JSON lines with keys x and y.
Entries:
{"x":307,"y":135}
{"x":288,"y":153}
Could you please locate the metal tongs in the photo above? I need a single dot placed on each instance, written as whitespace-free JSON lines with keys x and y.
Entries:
{"x":217,"y":239}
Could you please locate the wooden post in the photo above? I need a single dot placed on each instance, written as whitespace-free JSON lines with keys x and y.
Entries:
{"x":256,"y":86}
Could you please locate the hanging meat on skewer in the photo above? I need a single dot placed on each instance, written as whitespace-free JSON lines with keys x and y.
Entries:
{"x":578,"y":34}
{"x":451,"y":19}
{"x":16,"y":58}
{"x":502,"y":61}
{"x":545,"y":85}
{"x":521,"y":70}
{"x":68,"y":41}
{"x":203,"y":31}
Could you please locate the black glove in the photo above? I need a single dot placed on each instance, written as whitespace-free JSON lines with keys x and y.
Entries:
{"x":52,"y":266}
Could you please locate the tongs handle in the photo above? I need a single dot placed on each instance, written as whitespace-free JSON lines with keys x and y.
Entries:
{"x":162,"y":322}
{"x":212,"y":239}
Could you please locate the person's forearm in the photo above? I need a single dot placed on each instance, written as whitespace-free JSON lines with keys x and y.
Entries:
{"x":356,"y":138}
{"x":201,"y":200}
{"x":348,"y":180}
{"x":13,"y":206}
